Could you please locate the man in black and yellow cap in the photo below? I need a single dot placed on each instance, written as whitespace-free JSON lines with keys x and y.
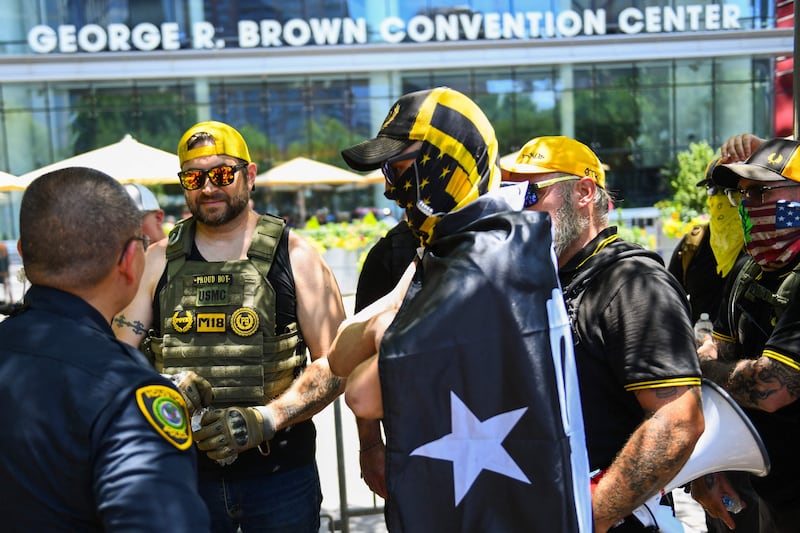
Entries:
{"x":238,"y":298}
{"x":464,"y":360}
{"x":755,"y":352}
{"x":634,"y":345}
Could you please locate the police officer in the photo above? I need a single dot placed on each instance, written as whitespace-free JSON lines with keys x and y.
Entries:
{"x":238,"y":298}
{"x":94,"y":439}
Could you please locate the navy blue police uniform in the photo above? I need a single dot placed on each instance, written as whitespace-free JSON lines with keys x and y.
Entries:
{"x":93,"y":437}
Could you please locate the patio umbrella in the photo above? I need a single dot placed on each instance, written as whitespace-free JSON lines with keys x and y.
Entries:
{"x":128,"y":161}
{"x":301,"y":174}
{"x":9,"y":182}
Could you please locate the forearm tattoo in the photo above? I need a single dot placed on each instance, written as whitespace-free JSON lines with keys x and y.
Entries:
{"x":318,"y":387}
{"x":646,"y":463}
{"x":121,"y":322}
{"x":754,"y":381}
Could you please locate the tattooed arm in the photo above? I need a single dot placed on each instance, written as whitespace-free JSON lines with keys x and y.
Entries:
{"x":653,"y":454}
{"x":319,"y":313}
{"x":132,"y":323}
{"x":762,"y":383}
{"x":309,"y":394}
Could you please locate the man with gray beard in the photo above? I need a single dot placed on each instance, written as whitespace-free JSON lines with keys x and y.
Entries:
{"x":637,"y":366}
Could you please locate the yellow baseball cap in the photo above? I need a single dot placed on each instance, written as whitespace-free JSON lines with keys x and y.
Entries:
{"x":227,"y":141}
{"x":557,"y":153}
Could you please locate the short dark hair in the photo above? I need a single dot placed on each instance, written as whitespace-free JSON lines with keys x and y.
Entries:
{"x":74,"y":223}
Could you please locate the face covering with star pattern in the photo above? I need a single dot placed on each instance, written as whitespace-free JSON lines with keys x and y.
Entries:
{"x":772,"y":233}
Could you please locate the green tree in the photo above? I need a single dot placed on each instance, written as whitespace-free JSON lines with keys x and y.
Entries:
{"x":683,"y":174}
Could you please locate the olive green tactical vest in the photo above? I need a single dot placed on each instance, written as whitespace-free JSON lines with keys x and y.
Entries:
{"x":218,"y":319}
{"x":746,"y":286}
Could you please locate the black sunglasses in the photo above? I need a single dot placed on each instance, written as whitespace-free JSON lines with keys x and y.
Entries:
{"x":145,"y":243}
{"x":388,"y":170}
{"x":220,"y":176}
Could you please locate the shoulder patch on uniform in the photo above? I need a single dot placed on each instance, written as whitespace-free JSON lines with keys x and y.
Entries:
{"x":166,"y":411}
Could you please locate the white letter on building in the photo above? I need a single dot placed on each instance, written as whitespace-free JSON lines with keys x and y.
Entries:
{"x":730,"y":17}
{"x":491,"y":26}
{"x":145,"y":36}
{"x":712,"y":17}
{"x":202,"y":35}
{"x":392,"y":30}
{"x":119,"y":36}
{"x":248,"y":34}
{"x":42,"y":39}
{"x":170,"y":36}
{"x":66,"y":38}
{"x":594,"y":23}
{"x":326,"y":31}
{"x":271,"y":33}
{"x":630,"y":20}
{"x":354,"y":31}
{"x":471,"y":24}
{"x":92,"y":38}
{"x":447,"y":27}
{"x":296,"y":32}
{"x":569,"y":23}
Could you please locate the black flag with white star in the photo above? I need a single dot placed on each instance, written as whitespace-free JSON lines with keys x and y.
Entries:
{"x":480,"y":395}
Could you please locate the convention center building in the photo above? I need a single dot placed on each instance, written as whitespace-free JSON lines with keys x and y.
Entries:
{"x":637,"y":80}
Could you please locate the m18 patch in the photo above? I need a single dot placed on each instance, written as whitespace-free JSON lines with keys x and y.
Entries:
{"x":166,"y":411}
{"x":211,"y":322}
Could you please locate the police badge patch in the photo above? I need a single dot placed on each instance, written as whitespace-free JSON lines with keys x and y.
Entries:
{"x":166,"y":411}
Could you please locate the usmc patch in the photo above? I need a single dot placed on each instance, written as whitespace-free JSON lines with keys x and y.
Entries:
{"x":244,"y":321}
{"x":182,"y":321}
{"x":166,"y":411}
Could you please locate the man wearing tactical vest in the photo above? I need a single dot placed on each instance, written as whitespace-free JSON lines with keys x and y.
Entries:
{"x":755,"y":351}
{"x":238,"y":298}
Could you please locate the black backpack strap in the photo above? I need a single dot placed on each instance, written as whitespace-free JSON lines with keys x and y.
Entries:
{"x":574,"y":291}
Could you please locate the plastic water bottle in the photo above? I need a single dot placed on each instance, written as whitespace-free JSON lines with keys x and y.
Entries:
{"x":732,"y":505}
{"x":702,"y":329}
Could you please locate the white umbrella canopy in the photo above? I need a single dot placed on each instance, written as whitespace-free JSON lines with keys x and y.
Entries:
{"x":128,"y":161}
{"x":9,"y":182}
{"x":300,"y":174}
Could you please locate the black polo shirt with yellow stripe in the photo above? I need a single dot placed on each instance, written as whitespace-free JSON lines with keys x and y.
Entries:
{"x":633,"y":332}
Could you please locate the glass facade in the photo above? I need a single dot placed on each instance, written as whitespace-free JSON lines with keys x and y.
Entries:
{"x":636,"y":113}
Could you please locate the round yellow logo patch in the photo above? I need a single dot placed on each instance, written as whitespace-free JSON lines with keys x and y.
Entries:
{"x":182,"y":321}
{"x":244,"y":321}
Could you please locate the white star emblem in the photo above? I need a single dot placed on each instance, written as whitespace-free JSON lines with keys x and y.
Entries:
{"x":473,"y":446}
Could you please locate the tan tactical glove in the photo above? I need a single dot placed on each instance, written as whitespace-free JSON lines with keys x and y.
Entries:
{"x":226,"y":432}
{"x":196,"y":390}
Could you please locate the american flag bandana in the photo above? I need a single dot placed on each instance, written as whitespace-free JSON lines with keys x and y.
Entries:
{"x":772,"y":233}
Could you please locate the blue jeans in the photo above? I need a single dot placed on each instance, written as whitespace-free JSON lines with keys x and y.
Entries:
{"x":287,"y":501}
